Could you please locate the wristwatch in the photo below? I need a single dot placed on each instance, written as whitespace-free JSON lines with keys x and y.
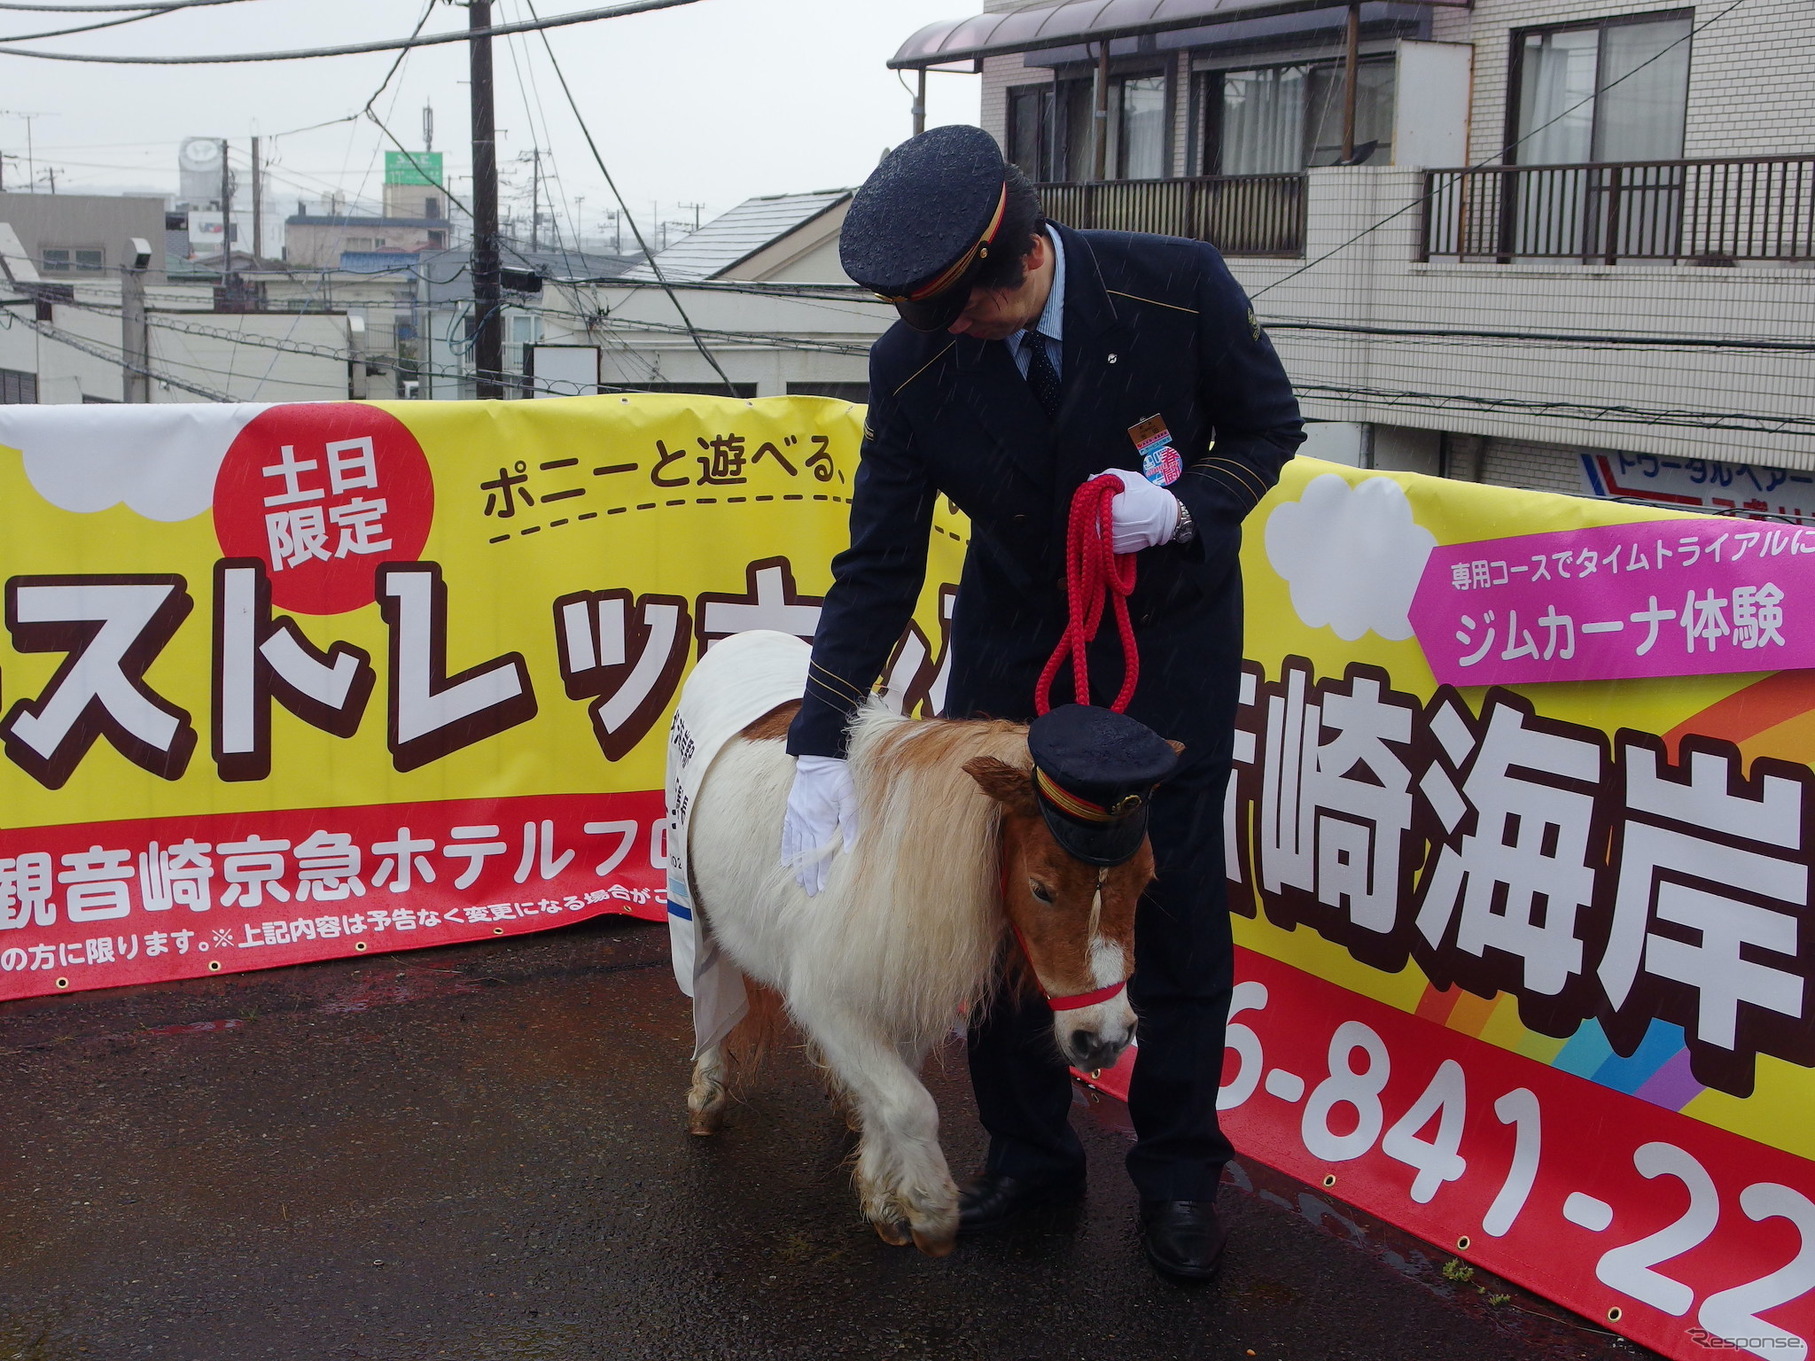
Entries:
{"x":1185,"y":531}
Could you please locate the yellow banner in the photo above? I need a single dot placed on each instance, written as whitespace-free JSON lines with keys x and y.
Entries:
{"x":429,"y":647}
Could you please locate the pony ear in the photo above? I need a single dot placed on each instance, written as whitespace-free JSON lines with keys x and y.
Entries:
{"x":1008,"y":785}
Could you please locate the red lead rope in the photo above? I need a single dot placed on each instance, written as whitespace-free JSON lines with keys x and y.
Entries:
{"x":1093,"y":573}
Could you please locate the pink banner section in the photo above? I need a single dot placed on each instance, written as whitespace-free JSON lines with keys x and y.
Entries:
{"x":1611,"y":602}
{"x":102,"y":905}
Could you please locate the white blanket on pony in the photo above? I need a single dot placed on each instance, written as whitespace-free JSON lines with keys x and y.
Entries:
{"x":738,"y":681}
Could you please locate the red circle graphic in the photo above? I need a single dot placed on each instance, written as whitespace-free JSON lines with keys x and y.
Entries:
{"x":323,"y":492}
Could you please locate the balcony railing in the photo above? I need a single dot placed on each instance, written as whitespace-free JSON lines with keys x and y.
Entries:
{"x":1238,"y":214}
{"x":1706,"y":212}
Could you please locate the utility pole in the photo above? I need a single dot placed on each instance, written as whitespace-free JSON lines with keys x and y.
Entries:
{"x":428,"y":127}
{"x":486,"y":325}
{"x":135,"y":336}
{"x":1350,"y":71}
{"x":226,"y":214}
{"x":258,"y":216}
{"x":535,"y":197}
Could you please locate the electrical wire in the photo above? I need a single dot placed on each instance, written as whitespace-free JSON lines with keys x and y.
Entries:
{"x":50,"y":332}
{"x":1498,"y":157}
{"x":1580,"y":340}
{"x":115,"y":9}
{"x":151,"y":12}
{"x":1748,"y":421}
{"x":354,"y":49}
{"x":624,"y":207}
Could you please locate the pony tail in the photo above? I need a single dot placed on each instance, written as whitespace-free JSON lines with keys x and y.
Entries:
{"x":754,"y":1037}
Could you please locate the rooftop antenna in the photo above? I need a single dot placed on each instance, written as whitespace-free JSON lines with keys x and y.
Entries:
{"x":31,"y":166}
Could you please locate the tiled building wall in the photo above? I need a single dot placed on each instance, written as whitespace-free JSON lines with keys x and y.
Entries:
{"x":1751,"y":69}
{"x":1529,"y":403}
{"x":1531,"y":465}
{"x":1360,"y":269}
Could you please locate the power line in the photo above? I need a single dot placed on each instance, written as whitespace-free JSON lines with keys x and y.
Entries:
{"x":1747,"y":421}
{"x":114,"y":9}
{"x":1513,"y":145}
{"x":150,"y":13}
{"x":87,"y":347}
{"x":624,"y":207}
{"x":354,"y":49}
{"x":1564,"y":338}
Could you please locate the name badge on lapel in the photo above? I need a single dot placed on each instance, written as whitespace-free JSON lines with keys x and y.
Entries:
{"x":1160,"y":462}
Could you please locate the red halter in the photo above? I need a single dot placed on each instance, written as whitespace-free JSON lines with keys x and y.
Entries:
{"x":1071,"y":1002}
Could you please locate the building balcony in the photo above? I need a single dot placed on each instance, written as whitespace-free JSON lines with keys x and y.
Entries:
{"x":1249,"y":215}
{"x":1706,"y":212}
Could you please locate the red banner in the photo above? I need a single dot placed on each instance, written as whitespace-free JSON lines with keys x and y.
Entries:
{"x":98,"y":906}
{"x":1676,"y":1233}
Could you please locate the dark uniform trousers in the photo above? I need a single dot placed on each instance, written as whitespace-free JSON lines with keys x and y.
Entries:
{"x":1180,"y":991}
{"x":1153,"y":325}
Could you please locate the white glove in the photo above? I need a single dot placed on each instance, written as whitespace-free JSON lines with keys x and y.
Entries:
{"x":822,"y":801}
{"x":1144,"y":514}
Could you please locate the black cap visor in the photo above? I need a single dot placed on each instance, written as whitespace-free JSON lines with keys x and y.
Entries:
{"x":1097,"y":843}
{"x":939,"y":311}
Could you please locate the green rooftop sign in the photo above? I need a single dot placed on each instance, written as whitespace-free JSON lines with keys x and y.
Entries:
{"x":412,"y":167}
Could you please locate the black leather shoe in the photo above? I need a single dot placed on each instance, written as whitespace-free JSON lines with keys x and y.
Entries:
{"x":1183,"y":1238}
{"x":990,"y":1199}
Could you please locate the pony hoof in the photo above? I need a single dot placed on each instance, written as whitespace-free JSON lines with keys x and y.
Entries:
{"x":935,"y":1244}
{"x":706,"y":1123}
{"x":895,"y":1235}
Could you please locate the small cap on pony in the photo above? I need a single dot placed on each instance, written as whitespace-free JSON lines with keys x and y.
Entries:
{"x":1095,"y":772}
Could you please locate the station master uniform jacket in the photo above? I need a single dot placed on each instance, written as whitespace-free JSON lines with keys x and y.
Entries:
{"x":1152,"y":325}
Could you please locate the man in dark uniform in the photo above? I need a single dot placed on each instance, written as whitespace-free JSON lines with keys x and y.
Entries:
{"x":1030,"y":357}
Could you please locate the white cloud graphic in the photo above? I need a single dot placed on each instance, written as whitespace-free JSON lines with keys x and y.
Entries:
{"x":160,"y":460}
{"x":1352,"y":555}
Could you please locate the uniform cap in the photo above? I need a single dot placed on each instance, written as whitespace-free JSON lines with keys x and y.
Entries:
{"x":924,"y":222}
{"x":1095,"y":772}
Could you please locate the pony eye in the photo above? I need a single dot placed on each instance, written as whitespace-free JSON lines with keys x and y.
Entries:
{"x":1040,"y":891}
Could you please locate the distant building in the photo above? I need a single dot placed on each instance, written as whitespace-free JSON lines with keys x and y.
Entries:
{"x":776,"y":237}
{"x":319,"y":242}
{"x":73,"y":237}
{"x":761,"y":286}
{"x":414,"y":220}
{"x":1475,"y":242}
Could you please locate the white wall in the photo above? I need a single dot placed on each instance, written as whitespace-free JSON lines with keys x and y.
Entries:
{"x":1359,"y":268}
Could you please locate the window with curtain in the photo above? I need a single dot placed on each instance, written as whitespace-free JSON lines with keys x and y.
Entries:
{"x":1277,"y":120}
{"x":1137,"y":132}
{"x":1030,"y":130}
{"x":1613,"y":91}
{"x":1049,"y":130}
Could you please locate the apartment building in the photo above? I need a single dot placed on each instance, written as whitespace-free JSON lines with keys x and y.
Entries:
{"x":1560,"y":244}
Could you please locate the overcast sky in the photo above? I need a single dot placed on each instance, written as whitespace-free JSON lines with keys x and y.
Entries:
{"x":710,"y":102}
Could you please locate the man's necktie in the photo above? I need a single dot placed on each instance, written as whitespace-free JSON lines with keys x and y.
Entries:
{"x":1042,"y":377}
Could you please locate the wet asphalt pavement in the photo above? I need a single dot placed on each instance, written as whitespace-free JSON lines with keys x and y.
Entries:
{"x":479,"y":1152}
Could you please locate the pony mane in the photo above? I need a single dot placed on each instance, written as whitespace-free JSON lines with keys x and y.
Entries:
{"x":923,"y":889}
